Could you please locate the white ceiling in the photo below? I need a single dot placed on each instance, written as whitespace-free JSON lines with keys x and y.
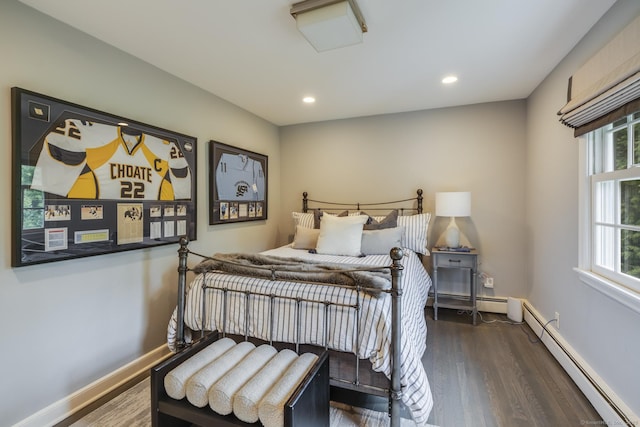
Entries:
{"x":250,"y":53}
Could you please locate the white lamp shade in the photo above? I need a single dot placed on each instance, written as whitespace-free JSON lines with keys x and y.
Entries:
{"x":453,"y":204}
{"x":330,"y":27}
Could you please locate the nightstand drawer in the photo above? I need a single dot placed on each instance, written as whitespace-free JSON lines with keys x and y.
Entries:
{"x":455,"y":260}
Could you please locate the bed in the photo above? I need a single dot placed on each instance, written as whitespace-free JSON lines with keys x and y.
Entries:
{"x":372,"y":322}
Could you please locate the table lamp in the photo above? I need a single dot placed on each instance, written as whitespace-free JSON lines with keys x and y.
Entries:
{"x":453,"y":204}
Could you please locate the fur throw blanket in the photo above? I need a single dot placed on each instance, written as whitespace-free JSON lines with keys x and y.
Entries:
{"x":297,"y":269}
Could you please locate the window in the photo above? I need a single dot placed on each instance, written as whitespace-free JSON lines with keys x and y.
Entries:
{"x":614,"y":181}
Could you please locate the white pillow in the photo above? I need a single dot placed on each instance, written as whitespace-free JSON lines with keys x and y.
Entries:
{"x":381,"y":241}
{"x":415,"y":232}
{"x":304,"y":219}
{"x":341,"y":235}
{"x":305,"y":238}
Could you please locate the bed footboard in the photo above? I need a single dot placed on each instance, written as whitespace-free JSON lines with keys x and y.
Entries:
{"x":392,"y":389}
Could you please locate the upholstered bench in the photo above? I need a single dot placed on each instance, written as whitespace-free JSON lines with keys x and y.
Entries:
{"x":218,"y":382}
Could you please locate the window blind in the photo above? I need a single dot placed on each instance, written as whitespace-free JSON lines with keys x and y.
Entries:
{"x":607,"y":86}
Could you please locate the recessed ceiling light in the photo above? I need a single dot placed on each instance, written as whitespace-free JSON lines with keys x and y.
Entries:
{"x":449,"y":79}
{"x":308,"y":100}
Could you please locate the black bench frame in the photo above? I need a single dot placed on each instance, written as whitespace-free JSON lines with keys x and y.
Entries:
{"x":308,"y":406}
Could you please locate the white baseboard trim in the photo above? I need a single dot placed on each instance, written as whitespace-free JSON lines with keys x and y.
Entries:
{"x":71,"y":404}
{"x":610,"y":407}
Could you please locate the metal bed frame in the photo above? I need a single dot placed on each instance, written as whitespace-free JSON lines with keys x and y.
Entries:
{"x":346,"y":371}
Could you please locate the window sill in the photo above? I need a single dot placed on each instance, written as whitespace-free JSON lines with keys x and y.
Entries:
{"x":616,"y":292}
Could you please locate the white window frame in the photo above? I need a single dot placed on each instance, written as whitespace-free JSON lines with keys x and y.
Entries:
{"x":615,"y":286}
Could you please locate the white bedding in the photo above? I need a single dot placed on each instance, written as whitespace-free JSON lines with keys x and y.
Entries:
{"x":374,"y":325}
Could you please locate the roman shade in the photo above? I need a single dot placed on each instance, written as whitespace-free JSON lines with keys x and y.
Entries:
{"x":607,"y":86}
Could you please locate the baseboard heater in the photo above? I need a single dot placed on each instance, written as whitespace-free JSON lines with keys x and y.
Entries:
{"x":605,"y":396}
{"x":479,"y":298}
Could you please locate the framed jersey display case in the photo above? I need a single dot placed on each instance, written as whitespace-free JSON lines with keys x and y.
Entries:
{"x":238,"y":184}
{"x":87,"y":182}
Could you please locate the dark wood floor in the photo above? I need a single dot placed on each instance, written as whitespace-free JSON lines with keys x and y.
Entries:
{"x":490,"y":375}
{"x":493,"y":374}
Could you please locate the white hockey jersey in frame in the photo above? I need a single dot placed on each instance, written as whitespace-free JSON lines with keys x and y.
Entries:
{"x":87,"y":160}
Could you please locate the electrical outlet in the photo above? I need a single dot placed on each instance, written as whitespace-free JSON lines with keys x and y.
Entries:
{"x":557,"y":320}
{"x":488,"y":282}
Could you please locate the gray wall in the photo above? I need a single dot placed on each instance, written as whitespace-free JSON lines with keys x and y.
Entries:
{"x":69,"y":323}
{"x":477,"y":148}
{"x":66,"y":324}
{"x":604,"y":332}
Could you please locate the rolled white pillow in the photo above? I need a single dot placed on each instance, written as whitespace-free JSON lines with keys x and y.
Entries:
{"x":221,"y":394}
{"x":175,"y":380}
{"x":246,"y":400}
{"x":199,"y":384}
{"x":271,"y":407}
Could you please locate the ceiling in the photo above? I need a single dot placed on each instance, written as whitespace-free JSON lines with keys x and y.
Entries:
{"x":250,"y":53}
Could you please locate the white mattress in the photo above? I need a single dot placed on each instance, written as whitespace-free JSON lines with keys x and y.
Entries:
{"x":374,"y":335}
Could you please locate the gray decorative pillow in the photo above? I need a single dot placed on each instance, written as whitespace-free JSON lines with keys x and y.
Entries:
{"x":317,"y":216}
{"x":376,"y":242}
{"x":390,"y":221}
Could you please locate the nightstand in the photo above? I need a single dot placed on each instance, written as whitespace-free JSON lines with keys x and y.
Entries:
{"x":455,"y":260}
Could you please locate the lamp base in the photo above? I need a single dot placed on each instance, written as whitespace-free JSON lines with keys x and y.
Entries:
{"x":452,"y":234}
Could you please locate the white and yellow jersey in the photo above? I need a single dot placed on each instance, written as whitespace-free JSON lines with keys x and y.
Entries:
{"x":86,"y":160}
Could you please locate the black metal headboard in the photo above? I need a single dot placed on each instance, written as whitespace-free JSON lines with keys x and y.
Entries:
{"x":404,"y":206}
